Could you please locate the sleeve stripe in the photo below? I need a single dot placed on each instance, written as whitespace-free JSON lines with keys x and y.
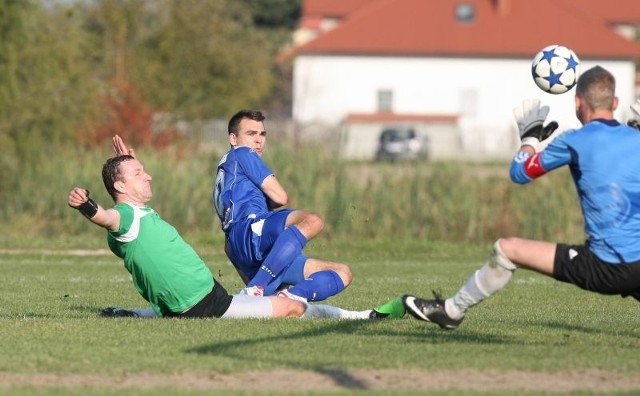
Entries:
{"x":533,"y":168}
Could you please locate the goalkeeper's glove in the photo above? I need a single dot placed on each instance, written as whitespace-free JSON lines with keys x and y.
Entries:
{"x":530,"y":117}
{"x":635,"y":109}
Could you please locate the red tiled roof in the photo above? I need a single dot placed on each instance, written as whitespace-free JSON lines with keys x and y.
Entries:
{"x":612,"y":12}
{"x":314,"y":11}
{"x":501,"y":28}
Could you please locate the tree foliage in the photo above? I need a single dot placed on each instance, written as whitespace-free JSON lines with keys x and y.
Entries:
{"x":209,"y":60}
{"x":73,"y":71}
{"x":193,"y":58}
{"x":47,"y":90}
{"x":274,"y":14}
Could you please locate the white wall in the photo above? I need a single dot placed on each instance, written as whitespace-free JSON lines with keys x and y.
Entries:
{"x":482,"y":92}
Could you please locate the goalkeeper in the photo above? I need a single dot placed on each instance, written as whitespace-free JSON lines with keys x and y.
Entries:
{"x":603,"y":159}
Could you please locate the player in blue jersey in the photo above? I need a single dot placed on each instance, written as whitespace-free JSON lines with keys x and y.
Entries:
{"x":264,"y":240}
{"x":603,"y":159}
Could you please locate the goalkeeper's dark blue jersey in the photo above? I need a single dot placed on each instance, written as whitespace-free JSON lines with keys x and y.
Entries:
{"x":604,"y":159}
{"x":237,"y":193}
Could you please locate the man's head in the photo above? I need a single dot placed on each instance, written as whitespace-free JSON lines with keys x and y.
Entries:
{"x":246,"y":128}
{"x":595,"y":95}
{"x":126,"y":181}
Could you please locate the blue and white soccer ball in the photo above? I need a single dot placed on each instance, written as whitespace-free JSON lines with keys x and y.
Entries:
{"x":555,"y":69}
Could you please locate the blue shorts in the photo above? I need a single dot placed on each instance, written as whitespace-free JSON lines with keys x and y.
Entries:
{"x":251,"y":239}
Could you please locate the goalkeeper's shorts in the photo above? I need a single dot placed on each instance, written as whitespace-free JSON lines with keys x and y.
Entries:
{"x":578,"y":265}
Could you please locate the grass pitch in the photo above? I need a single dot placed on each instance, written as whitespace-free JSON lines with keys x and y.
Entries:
{"x":535,"y":330}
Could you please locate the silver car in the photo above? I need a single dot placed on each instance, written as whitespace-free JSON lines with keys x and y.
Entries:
{"x":401,"y":143}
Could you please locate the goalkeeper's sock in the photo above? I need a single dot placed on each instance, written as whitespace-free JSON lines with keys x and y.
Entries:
{"x":319,"y":286}
{"x":490,"y":278}
{"x":286,"y":248}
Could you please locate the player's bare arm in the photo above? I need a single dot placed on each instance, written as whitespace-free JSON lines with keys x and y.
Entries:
{"x":276,"y":195}
{"x":106,"y":218}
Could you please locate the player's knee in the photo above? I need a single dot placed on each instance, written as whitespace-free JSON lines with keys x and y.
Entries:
{"x":342,"y":270}
{"x":286,"y":308}
{"x":503,"y":250}
{"x":345,"y":274}
{"x":296,"y":308}
{"x":507,"y":246}
{"x":314,"y":222}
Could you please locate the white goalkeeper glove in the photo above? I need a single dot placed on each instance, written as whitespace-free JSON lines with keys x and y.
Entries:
{"x":635,"y":109}
{"x":530,"y":117}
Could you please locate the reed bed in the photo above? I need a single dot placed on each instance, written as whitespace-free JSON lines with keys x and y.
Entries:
{"x":440,"y":201}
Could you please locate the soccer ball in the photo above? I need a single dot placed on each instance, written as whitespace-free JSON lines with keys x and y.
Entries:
{"x":555,"y":69}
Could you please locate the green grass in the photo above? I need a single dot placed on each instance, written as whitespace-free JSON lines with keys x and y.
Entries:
{"x":50,"y":302}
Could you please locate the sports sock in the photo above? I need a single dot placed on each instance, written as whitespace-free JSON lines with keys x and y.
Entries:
{"x":145,"y":312}
{"x":490,"y":278}
{"x":329,"y":311}
{"x":286,"y":248}
{"x":319,"y":286}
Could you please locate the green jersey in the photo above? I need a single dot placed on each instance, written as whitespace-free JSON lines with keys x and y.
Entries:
{"x":166,"y":271}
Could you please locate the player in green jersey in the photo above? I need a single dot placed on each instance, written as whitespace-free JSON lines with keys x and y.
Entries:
{"x":166,"y":271}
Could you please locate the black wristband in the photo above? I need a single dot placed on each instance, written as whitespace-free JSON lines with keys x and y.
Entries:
{"x":89,"y":208}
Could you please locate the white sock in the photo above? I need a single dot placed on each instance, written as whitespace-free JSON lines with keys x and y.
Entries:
{"x":490,"y":278}
{"x":145,"y":312}
{"x":329,"y":311}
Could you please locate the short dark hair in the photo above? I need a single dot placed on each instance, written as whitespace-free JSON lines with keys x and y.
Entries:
{"x":234,"y":122}
{"x":597,"y":87}
{"x":111,"y":173}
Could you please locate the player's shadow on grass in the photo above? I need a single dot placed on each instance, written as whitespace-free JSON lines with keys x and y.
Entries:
{"x":342,"y":378}
{"x":435,"y":335}
{"x":233,"y":349}
{"x":348,"y":327}
{"x":236,"y":349}
{"x":614,"y":332}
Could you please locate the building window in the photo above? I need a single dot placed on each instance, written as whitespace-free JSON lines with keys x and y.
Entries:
{"x":385,"y":101}
{"x":465,"y":12}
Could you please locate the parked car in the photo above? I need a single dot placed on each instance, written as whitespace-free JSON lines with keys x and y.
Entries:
{"x":401,"y":143}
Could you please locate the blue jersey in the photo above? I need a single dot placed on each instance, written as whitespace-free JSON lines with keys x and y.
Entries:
{"x":237,"y":193}
{"x":605,"y":167}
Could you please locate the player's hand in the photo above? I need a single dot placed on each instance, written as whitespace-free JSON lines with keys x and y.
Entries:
{"x":77,"y":197}
{"x":120,"y":148}
{"x":530,"y":117}
{"x":551,"y":131}
{"x":635,"y":109}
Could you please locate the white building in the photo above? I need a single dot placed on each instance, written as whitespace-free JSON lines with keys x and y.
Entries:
{"x":454,"y":69}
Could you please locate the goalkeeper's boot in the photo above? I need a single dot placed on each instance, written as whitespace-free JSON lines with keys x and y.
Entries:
{"x":430,"y":310}
{"x":114,"y":312}
{"x":393,"y":308}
